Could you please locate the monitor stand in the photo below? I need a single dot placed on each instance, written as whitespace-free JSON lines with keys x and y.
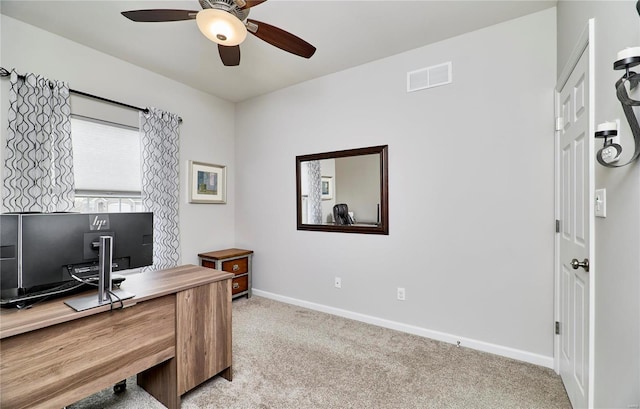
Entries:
{"x":106,"y":295}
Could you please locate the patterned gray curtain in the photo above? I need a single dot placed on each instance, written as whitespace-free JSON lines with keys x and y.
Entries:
{"x":38,"y":162}
{"x":159,"y":132}
{"x":315,"y":192}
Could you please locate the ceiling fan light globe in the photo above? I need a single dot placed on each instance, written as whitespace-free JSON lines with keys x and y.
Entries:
{"x":221,"y":27}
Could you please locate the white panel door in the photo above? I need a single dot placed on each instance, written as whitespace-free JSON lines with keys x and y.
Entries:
{"x":575,"y":224}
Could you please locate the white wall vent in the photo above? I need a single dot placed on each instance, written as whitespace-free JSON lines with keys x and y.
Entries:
{"x":429,"y":77}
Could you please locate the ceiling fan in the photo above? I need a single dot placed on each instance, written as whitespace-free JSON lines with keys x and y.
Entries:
{"x":225,"y":22}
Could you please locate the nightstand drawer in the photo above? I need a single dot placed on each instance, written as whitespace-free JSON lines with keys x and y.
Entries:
{"x":239,"y":285}
{"x":237,"y":266}
{"x":209,"y":264}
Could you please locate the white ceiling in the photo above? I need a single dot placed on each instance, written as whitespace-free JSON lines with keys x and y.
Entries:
{"x":345,"y":33}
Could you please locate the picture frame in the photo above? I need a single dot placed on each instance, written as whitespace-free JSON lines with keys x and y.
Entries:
{"x":207,"y":183}
{"x":327,"y":187}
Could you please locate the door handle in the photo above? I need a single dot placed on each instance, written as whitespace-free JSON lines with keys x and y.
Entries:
{"x":584,"y":264}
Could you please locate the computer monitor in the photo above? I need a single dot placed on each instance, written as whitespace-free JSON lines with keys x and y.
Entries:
{"x":56,"y":245}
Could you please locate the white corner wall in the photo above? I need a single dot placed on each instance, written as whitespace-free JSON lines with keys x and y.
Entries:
{"x":470,"y":190}
{"x":617,"y":258}
{"x":206,"y":134}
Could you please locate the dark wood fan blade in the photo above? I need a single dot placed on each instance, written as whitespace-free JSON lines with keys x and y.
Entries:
{"x":230,"y":55}
{"x":252,"y":3}
{"x":159,"y":15}
{"x":282,"y":39}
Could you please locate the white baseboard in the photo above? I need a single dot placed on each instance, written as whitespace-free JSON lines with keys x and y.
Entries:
{"x":536,"y":359}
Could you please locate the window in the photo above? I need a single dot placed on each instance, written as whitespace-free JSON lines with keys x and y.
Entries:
{"x":106,"y":164}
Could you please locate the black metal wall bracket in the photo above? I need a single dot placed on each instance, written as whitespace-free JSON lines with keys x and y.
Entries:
{"x":627,"y":106}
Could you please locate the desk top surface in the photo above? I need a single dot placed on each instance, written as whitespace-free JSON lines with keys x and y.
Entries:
{"x":145,"y":286}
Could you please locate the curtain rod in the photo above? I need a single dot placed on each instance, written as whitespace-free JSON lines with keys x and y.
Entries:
{"x":5,"y":73}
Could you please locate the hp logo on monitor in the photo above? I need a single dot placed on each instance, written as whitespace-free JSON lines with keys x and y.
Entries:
{"x":99,"y":221}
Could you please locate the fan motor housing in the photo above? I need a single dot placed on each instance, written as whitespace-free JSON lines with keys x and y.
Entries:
{"x":229,"y":6}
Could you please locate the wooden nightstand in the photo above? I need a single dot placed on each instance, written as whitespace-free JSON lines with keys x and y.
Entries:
{"x":236,"y":261}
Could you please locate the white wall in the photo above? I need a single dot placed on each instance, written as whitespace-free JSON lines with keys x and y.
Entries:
{"x":470,"y":189}
{"x":617,"y":266}
{"x":206,"y":134}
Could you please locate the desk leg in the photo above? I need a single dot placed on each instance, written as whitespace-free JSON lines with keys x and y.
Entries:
{"x":227,"y":374}
{"x":161,"y":382}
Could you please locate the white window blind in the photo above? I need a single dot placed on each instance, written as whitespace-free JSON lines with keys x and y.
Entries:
{"x":106,"y":158}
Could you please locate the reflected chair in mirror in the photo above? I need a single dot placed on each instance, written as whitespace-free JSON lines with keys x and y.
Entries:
{"x":341,"y":214}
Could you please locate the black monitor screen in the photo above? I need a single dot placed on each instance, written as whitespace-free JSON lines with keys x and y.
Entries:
{"x":54,"y":245}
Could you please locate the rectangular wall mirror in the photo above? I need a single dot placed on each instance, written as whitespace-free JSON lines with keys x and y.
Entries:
{"x":343,"y":191}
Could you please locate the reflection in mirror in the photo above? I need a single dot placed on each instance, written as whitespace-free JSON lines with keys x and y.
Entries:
{"x":353,"y":182}
{"x":343,"y":191}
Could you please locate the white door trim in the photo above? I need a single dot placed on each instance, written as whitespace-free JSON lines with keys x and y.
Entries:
{"x":585,"y":42}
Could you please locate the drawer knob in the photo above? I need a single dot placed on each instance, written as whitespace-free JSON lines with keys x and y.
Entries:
{"x":236,"y":286}
{"x":236,"y":267}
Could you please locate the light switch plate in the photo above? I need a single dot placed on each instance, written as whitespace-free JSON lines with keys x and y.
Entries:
{"x":601,"y":203}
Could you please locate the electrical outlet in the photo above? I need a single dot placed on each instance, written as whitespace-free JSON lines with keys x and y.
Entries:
{"x":337,"y":282}
{"x":401,"y":294}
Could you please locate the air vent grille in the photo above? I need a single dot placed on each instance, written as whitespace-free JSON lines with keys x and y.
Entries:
{"x":429,"y":77}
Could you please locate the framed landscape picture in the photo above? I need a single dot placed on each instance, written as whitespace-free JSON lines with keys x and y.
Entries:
{"x":207,"y":183}
{"x":327,"y":187}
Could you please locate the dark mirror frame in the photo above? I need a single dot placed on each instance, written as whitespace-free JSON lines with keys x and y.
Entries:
{"x":383,"y":227}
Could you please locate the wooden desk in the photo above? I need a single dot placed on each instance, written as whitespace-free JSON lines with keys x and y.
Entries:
{"x":175,"y":334}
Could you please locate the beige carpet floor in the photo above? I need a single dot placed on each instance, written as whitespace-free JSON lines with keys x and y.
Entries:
{"x":286,"y":357}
